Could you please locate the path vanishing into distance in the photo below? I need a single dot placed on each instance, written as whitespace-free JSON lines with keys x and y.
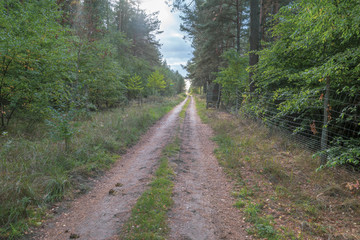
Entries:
{"x":202,"y":198}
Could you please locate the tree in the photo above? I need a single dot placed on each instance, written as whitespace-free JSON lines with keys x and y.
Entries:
{"x":156,"y":82}
{"x":233,"y":78}
{"x":33,"y":48}
{"x":75,"y":54}
{"x":309,"y":57}
{"x":135,"y":87}
{"x":215,"y":27}
{"x":254,"y":39}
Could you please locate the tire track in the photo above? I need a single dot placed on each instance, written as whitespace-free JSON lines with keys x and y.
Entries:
{"x":100,"y":214}
{"x":202,"y":202}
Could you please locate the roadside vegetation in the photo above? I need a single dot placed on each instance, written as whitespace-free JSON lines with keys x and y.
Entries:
{"x":294,"y":64}
{"x":149,"y":215}
{"x":71,"y":72}
{"x":38,"y":169}
{"x":278,"y":186}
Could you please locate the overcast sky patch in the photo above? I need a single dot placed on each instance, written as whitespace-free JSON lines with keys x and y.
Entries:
{"x":175,"y":50}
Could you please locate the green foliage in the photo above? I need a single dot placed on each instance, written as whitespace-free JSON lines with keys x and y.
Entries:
{"x":57,"y":65}
{"x":234,"y":78}
{"x":134,"y":86}
{"x":34,"y":173}
{"x":156,"y":82}
{"x":343,"y":152}
{"x":214,"y":27}
{"x":51,"y":57}
{"x":148,"y":216}
{"x":60,"y":125}
{"x":315,"y":42}
{"x":239,"y":204}
{"x":32,"y":46}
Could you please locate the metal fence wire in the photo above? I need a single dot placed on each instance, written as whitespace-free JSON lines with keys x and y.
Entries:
{"x":306,"y":117}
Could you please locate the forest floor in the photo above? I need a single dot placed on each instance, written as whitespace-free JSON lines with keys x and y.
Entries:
{"x":202,"y":205}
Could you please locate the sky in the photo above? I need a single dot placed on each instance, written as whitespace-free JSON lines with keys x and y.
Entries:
{"x":175,"y":50}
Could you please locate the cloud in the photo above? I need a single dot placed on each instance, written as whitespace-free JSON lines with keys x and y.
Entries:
{"x":175,"y":49}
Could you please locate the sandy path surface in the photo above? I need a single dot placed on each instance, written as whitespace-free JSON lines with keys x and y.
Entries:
{"x":202,"y":201}
{"x":203,"y":204}
{"x":99,"y":215}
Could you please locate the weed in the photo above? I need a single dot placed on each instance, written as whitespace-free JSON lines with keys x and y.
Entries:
{"x":56,"y":187}
{"x":281,"y":191}
{"x":263,"y":226}
{"x":251,"y":211}
{"x":61,"y":127}
{"x":239,"y":204}
{"x":243,"y":193}
{"x":265,"y":230}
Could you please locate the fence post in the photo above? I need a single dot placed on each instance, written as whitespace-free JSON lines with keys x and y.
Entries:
{"x":325,"y":131}
{"x":237,"y":100}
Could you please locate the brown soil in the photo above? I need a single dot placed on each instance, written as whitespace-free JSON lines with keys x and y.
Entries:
{"x":101,"y":213}
{"x":202,"y":202}
{"x":203,"y":205}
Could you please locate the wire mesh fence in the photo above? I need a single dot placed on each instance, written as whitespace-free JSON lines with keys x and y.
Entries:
{"x":301,"y":117}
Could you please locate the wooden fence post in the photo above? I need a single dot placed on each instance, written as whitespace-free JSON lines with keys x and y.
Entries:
{"x":325,"y":131}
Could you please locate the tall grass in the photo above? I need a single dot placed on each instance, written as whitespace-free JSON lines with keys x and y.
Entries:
{"x":36,"y":171}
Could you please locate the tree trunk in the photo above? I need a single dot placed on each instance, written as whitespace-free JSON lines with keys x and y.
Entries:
{"x":2,"y":114}
{"x":238,"y":25}
{"x":262,"y":19}
{"x":238,"y":29}
{"x":237,"y":100}
{"x":219,"y":98}
{"x":254,"y":38}
{"x":325,"y":130}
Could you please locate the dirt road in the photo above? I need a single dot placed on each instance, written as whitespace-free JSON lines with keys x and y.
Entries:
{"x":203,"y":205}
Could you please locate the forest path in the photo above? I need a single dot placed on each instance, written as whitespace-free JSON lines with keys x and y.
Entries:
{"x":100,"y":214}
{"x":202,"y":201}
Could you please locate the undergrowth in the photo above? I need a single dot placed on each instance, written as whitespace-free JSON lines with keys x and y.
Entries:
{"x":149,"y":215}
{"x":277,"y":187}
{"x":35,"y":171}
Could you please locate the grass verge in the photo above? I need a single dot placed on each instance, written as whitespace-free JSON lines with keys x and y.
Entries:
{"x":281,"y":194}
{"x":183,"y":111}
{"x":35,"y":171}
{"x":149,"y":215}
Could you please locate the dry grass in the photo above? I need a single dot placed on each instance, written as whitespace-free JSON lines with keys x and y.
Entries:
{"x":290,"y":195}
{"x":36,"y":171}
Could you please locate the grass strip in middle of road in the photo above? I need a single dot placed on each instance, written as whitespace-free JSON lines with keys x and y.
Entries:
{"x":149,"y":215}
{"x":183,"y":111}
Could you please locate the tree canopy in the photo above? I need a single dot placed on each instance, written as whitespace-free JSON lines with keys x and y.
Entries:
{"x":303,"y":63}
{"x":75,"y":54}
